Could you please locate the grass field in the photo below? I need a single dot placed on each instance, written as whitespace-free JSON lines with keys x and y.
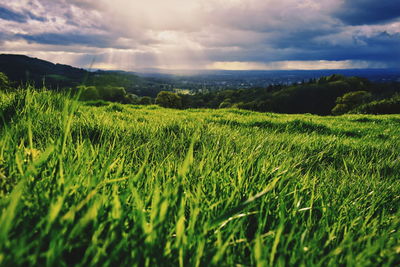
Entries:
{"x":121,"y":185}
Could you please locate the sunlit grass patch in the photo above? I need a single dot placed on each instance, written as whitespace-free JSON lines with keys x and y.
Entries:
{"x":108,"y":185}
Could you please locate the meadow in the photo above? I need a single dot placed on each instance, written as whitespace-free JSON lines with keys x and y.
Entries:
{"x":105,"y":184}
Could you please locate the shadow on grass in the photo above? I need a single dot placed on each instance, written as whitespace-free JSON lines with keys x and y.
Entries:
{"x":295,"y":126}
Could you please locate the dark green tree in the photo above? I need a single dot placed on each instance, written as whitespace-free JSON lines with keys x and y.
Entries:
{"x":146,"y":100}
{"x":225,"y":104}
{"x":131,"y":99}
{"x":384,"y":106}
{"x":112,"y":93}
{"x":350,"y":101}
{"x":88,"y":93}
{"x":168,"y":100}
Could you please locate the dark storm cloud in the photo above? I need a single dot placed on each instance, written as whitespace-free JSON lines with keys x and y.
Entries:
{"x":8,"y":14}
{"x":299,"y":39}
{"x":69,"y":39}
{"x":358,"y":12}
{"x":381,"y":47}
{"x":155,"y":32}
{"x":34,"y":17}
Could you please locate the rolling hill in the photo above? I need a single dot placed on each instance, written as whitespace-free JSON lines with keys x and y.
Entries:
{"x":22,"y":69}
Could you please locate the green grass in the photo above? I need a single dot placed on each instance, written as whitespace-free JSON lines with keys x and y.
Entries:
{"x":121,"y":185}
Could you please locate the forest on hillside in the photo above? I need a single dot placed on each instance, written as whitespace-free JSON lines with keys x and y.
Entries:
{"x":334,"y":94}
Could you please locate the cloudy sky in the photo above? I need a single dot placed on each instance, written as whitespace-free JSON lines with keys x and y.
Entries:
{"x":204,"y":34}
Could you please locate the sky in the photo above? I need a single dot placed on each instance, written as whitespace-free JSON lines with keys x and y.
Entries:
{"x":204,"y":34}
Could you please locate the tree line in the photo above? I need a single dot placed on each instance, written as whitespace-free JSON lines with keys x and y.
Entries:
{"x":335,"y":94}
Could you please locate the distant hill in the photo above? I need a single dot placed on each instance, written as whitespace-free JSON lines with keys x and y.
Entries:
{"x":21,"y":69}
{"x":316,"y":95}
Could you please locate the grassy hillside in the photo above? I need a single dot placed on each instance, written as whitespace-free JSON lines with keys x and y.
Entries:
{"x":122,"y":185}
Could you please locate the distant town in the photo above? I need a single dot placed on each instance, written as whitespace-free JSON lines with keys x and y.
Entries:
{"x":205,"y":81}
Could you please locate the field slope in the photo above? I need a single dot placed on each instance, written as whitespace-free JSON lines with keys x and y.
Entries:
{"x":121,"y":185}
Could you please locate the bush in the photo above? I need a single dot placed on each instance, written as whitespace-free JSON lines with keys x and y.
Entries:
{"x":350,"y":101}
{"x":340,"y":109}
{"x":89,"y":93}
{"x":132,"y":99}
{"x":115,"y":94}
{"x":145,"y":100}
{"x":107,"y":93}
{"x":168,"y":100}
{"x":225,"y":104}
{"x":385,"y":106}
